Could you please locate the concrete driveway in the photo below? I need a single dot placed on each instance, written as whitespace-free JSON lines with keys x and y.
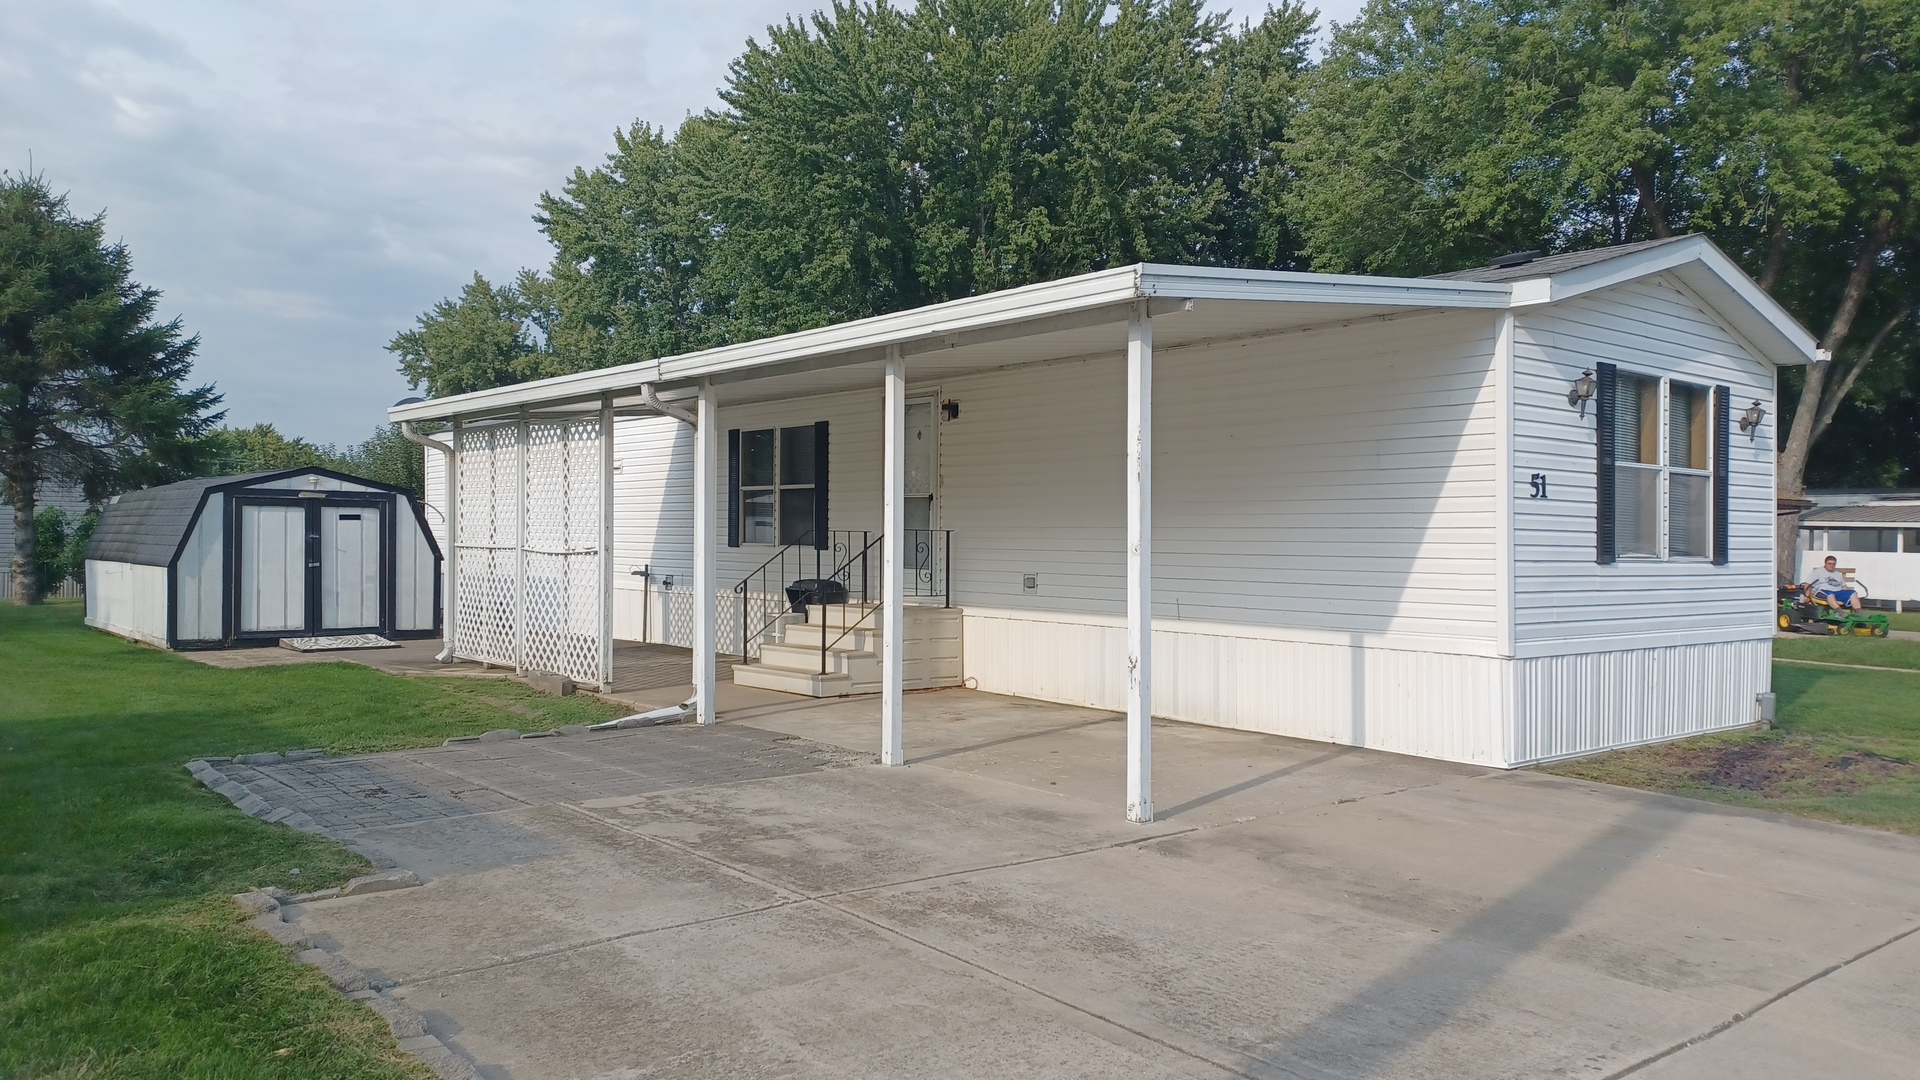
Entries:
{"x":1299,"y":910}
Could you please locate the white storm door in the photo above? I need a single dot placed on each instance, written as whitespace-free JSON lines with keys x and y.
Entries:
{"x":349,"y":567}
{"x":923,"y":465}
{"x":273,"y":568}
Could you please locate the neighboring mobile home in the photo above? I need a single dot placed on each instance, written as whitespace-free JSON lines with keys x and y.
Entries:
{"x":1876,"y":541}
{"x":1502,"y":516}
{"x":251,"y":559}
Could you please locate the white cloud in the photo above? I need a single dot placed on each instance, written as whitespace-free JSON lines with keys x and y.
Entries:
{"x":301,"y":178}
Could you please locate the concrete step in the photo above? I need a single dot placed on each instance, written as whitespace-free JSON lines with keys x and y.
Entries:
{"x":808,"y":683}
{"x":841,"y":616}
{"x":860,"y":664}
{"x":806,"y":635}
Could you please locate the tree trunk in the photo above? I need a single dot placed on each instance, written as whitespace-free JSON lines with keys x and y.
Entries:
{"x":1806,"y":416}
{"x":26,"y":585}
{"x":1643,"y":184}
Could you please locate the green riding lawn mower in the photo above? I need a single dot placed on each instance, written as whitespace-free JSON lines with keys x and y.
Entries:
{"x":1800,"y":614}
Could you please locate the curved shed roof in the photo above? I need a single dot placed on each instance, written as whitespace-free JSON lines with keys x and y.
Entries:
{"x":146,"y":526}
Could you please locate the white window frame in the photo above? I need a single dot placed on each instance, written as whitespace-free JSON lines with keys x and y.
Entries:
{"x":1666,"y":469}
{"x":779,"y":437}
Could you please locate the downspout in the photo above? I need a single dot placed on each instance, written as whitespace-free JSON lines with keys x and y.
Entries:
{"x":653,"y":401}
{"x":445,"y":655}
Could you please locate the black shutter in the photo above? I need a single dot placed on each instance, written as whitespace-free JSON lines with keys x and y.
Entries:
{"x":1605,"y":381}
{"x":821,"y":539}
{"x":733,"y":488}
{"x":1722,"y":422}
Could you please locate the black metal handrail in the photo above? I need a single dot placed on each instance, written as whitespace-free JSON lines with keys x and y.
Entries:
{"x":929,"y":575}
{"x":917,"y":583}
{"x":785,"y":566}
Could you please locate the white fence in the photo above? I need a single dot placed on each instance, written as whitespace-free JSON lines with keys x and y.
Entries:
{"x":66,"y":590}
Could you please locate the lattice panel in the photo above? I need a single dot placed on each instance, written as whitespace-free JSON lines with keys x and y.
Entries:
{"x":488,"y":549}
{"x":563,"y":589}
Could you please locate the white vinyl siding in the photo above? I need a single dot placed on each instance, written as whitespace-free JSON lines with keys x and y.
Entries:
{"x":200,"y":579}
{"x":1339,"y":482}
{"x":128,"y":599}
{"x":653,"y":529}
{"x":1563,"y":600}
{"x":414,"y":569}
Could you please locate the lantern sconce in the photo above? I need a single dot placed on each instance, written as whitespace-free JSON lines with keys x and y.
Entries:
{"x":1750,"y":420}
{"x":1582,"y":392}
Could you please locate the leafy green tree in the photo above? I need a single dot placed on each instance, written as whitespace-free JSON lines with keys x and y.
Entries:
{"x":227,"y":451}
{"x":74,"y":557}
{"x":50,"y":563}
{"x":870,"y":159}
{"x":91,"y":387}
{"x":389,"y":457}
{"x":1437,"y":133}
{"x":386,"y":456}
{"x":477,"y":341}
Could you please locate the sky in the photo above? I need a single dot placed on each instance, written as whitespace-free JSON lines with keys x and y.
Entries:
{"x":302,"y":178}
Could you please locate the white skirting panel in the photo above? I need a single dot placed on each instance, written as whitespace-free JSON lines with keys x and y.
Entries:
{"x":1433,"y":704}
{"x":1570,"y":705}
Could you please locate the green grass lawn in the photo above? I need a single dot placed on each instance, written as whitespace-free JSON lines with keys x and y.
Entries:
{"x":1904,"y":620}
{"x":1845,"y":746}
{"x":1868,"y":651}
{"x":119,"y":954}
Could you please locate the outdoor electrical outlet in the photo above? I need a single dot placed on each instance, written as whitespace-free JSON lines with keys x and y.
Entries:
{"x":1029,"y":582}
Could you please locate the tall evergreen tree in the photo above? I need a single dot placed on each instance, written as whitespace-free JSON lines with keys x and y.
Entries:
{"x":91,"y":388}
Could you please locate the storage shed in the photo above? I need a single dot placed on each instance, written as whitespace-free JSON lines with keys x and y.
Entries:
{"x":247,"y":560}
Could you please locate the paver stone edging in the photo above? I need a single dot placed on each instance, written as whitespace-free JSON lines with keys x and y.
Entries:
{"x":409,"y":1028}
{"x":207,"y":771}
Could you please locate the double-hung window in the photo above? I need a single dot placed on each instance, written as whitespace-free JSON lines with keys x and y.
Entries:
{"x":777,"y":481}
{"x":1662,"y":468}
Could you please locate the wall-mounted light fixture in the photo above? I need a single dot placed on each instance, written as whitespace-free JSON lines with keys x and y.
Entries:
{"x":1582,"y":392}
{"x":951,"y":408}
{"x":1750,"y":420}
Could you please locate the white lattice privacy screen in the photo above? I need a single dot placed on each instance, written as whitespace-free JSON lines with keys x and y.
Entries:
{"x":529,"y":592}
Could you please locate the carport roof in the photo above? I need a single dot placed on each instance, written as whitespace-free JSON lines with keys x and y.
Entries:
{"x":1085,"y":316}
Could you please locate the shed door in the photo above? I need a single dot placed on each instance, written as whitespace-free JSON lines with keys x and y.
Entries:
{"x":350,"y":539}
{"x":273,"y":568}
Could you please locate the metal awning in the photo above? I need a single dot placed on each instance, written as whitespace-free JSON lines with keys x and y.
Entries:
{"x":1072,"y":318}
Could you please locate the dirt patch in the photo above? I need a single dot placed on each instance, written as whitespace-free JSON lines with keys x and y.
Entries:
{"x":1788,"y":768}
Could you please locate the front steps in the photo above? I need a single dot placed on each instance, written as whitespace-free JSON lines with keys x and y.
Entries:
{"x":792,"y":662}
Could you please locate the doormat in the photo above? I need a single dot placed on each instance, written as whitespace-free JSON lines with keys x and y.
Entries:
{"x":333,"y":644}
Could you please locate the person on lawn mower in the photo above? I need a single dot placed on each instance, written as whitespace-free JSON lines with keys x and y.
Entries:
{"x":1831,"y":586}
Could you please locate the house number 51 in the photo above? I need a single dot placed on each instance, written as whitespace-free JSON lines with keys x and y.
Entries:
{"x":1539,"y":482}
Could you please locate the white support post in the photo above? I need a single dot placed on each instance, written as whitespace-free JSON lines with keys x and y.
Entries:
{"x":1139,"y":564}
{"x":606,"y":543}
{"x":893,"y":550}
{"x":450,"y":559}
{"x":705,"y":449}
{"x":520,"y":546}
